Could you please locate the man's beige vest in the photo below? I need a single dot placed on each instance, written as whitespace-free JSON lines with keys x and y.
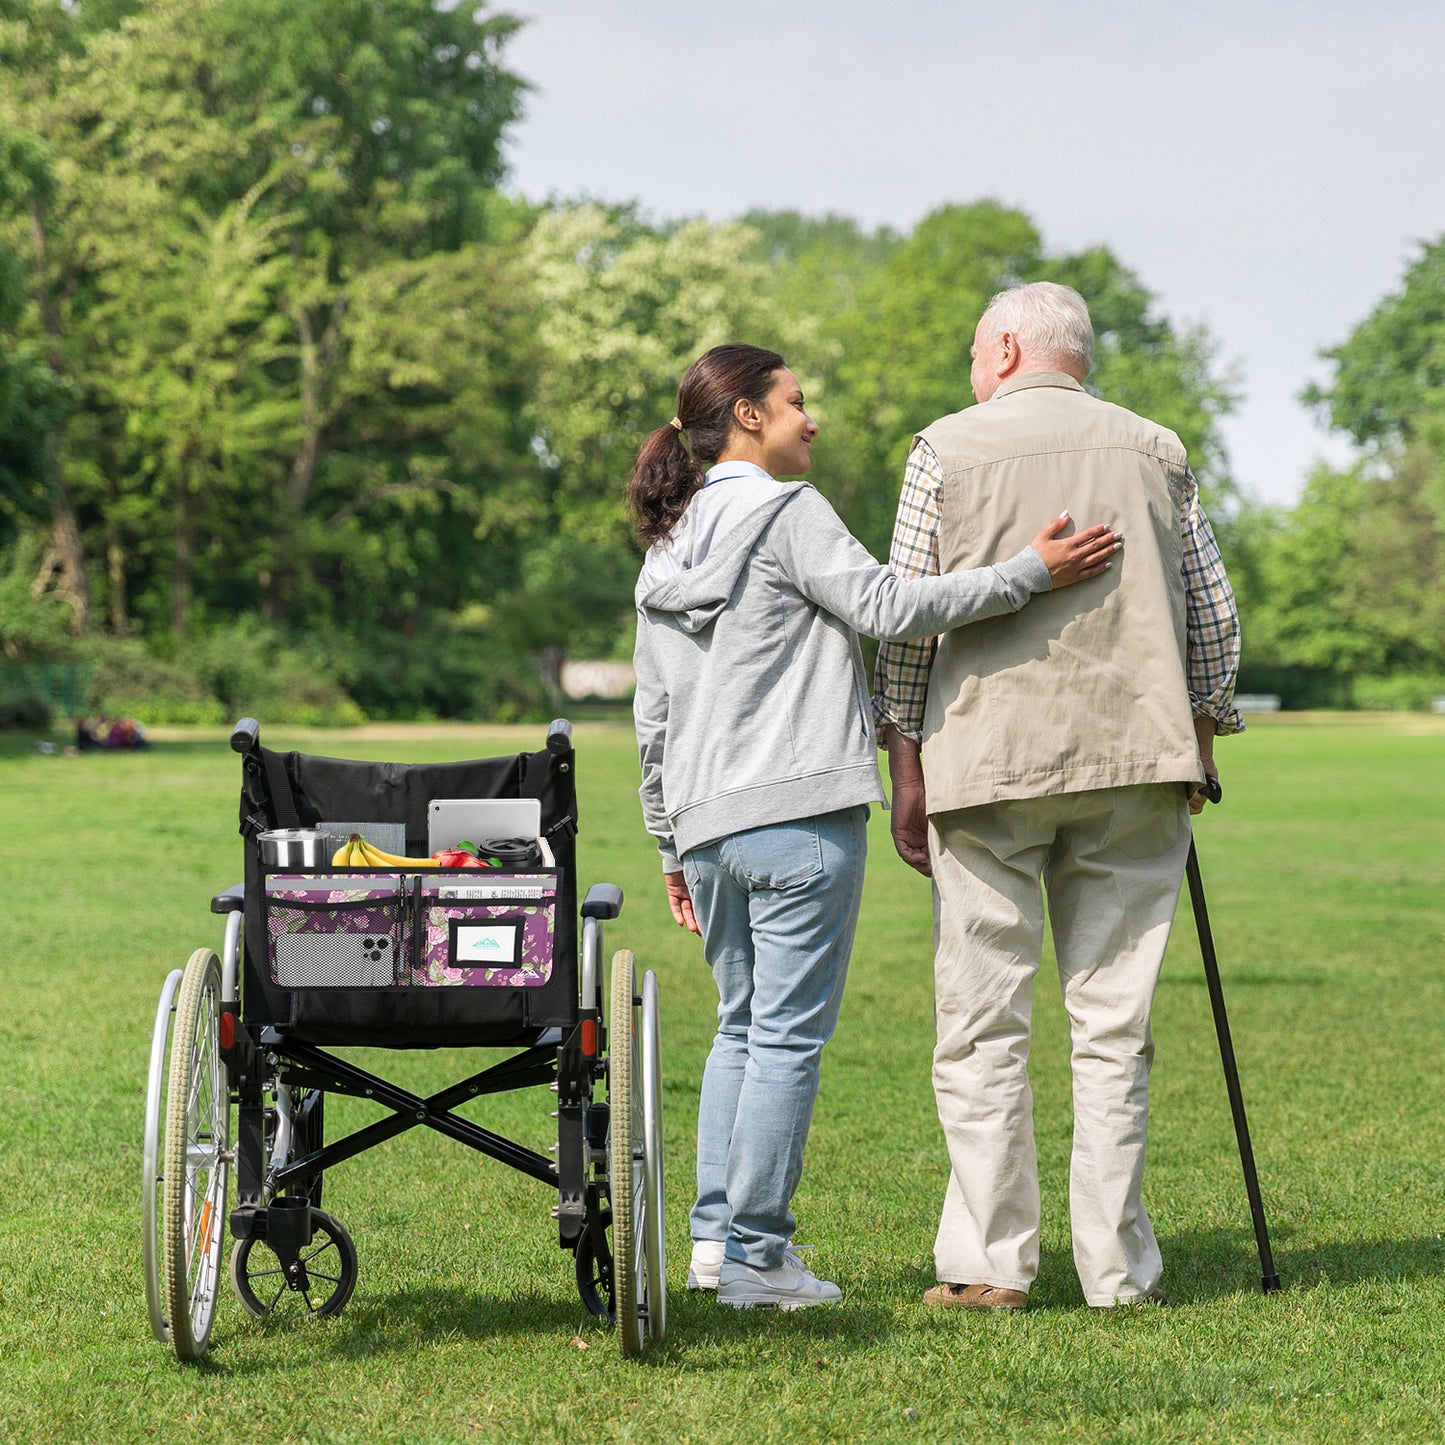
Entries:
{"x":1084,"y":687}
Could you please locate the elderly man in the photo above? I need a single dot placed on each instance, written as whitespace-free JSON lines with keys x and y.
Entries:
{"x":1058,"y":750}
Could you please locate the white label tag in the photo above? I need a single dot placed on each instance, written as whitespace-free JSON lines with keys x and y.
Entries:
{"x":486,"y":944}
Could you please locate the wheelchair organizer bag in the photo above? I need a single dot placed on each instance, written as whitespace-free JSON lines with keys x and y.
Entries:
{"x":477,"y":928}
{"x":410,"y":960}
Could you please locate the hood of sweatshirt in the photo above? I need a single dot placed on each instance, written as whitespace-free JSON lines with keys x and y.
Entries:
{"x":694,"y":572}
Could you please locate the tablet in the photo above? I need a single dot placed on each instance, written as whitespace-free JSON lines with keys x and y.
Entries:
{"x":479,"y":820}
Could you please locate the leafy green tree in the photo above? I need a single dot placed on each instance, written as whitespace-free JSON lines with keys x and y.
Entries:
{"x":820,"y":267}
{"x":1306,"y":626}
{"x":1347,"y":587}
{"x":396,"y":115}
{"x":35,"y":483}
{"x":33,"y":398}
{"x":267,"y":272}
{"x":1388,"y":389}
{"x":323,"y":378}
{"x":1352,"y":578}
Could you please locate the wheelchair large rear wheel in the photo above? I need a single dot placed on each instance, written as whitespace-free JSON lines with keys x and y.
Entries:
{"x":154,"y":1149}
{"x":197,"y":1160}
{"x":639,"y":1244}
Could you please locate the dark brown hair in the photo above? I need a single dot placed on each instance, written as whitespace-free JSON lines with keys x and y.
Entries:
{"x":670,"y":469}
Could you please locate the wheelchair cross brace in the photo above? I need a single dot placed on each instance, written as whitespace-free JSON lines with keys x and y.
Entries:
{"x":306,"y":1066}
{"x":319,"y":1070}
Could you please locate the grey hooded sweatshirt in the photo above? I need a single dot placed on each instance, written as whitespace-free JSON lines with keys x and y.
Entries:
{"x":751,"y":704}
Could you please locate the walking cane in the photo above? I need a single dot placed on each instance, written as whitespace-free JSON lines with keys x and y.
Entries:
{"x":1269,"y":1280}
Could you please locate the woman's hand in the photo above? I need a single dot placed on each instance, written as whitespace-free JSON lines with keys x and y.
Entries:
{"x":1072,"y":559}
{"x":679,"y":900}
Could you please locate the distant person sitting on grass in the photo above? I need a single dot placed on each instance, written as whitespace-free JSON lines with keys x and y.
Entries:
{"x":127,"y":734}
{"x":759,"y":763}
{"x":90,"y":733}
{"x":124,"y":734}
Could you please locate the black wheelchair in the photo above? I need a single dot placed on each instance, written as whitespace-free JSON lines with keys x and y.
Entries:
{"x":317,"y":957}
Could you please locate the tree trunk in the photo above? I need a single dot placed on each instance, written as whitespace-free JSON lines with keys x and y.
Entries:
{"x":115,"y":576}
{"x":183,"y":562}
{"x":71,"y":581}
{"x":65,"y":527}
{"x":549,"y":665}
{"x":318,"y":357}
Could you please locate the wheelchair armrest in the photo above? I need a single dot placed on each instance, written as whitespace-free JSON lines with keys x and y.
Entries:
{"x":233,"y":900}
{"x":603,"y":900}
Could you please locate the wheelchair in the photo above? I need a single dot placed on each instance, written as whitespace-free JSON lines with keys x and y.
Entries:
{"x":319,"y":957}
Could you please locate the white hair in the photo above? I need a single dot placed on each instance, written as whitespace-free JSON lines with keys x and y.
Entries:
{"x":1049,"y":320}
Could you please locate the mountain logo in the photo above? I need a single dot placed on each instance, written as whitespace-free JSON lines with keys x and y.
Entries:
{"x":487,"y":943}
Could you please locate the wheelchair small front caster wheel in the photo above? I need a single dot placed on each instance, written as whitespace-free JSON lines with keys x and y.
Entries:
{"x":320,"y":1281}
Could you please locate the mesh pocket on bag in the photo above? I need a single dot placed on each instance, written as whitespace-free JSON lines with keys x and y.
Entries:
{"x":335,"y":932}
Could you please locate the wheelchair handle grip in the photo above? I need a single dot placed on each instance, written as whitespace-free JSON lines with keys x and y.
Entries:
{"x":559,"y":736}
{"x":246,"y":735}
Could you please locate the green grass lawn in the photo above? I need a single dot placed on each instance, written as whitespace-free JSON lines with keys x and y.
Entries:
{"x":1324,"y":871}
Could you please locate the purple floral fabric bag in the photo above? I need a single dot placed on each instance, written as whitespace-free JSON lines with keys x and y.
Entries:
{"x":485,"y":929}
{"x":361,"y":930}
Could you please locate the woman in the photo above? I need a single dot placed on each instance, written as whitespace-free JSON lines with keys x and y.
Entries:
{"x":759,"y":762}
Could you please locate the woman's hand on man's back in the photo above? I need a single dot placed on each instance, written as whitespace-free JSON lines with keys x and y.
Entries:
{"x":1073,"y":559}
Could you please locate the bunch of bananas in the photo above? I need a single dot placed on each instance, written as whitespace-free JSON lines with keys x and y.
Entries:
{"x":356,"y":852}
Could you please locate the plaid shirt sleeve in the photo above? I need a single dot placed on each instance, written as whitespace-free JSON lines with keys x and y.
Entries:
{"x":1211,"y":621}
{"x":900,"y":679}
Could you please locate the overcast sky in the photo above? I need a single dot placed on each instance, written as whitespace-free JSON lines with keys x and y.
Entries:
{"x":1268,"y":168}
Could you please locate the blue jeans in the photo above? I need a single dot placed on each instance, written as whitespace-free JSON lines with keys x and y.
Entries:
{"x":778,"y":907}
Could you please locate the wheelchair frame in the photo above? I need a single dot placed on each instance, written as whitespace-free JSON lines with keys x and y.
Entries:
{"x":227,"y":1035}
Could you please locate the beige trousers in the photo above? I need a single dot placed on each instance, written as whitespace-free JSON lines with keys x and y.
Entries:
{"x":1111,"y":861}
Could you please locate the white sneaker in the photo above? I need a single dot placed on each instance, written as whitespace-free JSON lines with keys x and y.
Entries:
{"x":791,"y":1286}
{"x":707,"y":1258}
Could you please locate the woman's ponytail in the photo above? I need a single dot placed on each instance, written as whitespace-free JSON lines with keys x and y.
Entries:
{"x":664,"y":479}
{"x":672,"y":465}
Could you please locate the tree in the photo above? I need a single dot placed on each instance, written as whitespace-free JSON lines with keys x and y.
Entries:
{"x":265,"y":269}
{"x":33,"y":398}
{"x":1352,"y":579}
{"x":1388,"y":389}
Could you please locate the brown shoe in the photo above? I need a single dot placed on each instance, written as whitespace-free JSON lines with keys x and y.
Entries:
{"x":975,"y":1297}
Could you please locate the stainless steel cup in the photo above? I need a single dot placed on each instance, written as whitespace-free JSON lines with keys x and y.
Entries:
{"x":294,"y":848}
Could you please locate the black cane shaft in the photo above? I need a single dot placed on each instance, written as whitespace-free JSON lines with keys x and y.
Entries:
{"x":1268,"y":1278}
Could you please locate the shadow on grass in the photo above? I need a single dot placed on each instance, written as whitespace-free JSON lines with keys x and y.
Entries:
{"x":1307,"y":1266}
{"x":1245,"y":978}
{"x":13,"y":748}
{"x":411,"y":1320}
{"x":1203,"y":1265}
{"x":701,"y":1333}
